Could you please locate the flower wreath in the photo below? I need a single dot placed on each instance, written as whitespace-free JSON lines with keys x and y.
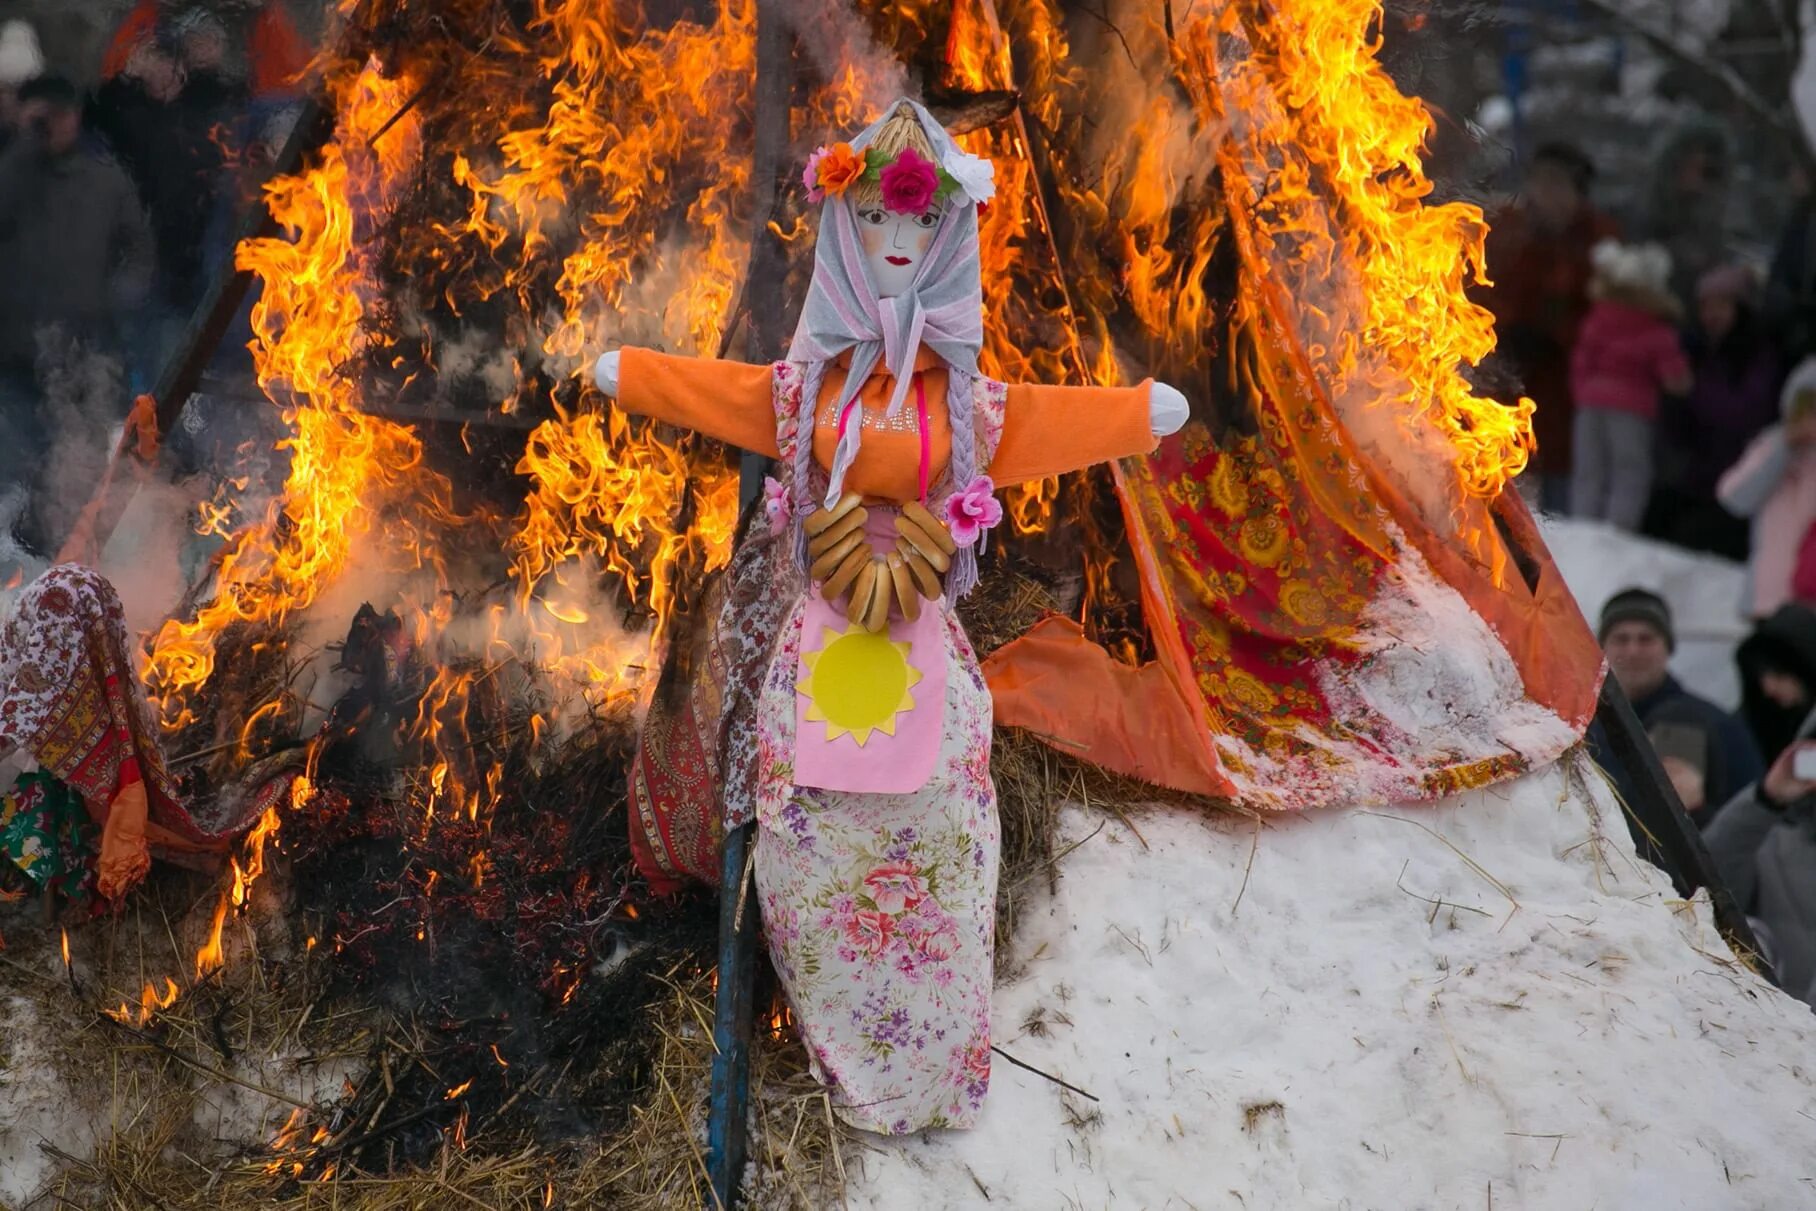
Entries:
{"x":911,"y":182}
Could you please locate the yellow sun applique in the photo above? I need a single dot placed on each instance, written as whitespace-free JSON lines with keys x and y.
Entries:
{"x":858,"y":683}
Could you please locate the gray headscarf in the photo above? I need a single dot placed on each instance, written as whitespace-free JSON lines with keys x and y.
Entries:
{"x":943,"y":309}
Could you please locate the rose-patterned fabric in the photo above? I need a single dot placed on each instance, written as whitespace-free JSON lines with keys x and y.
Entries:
{"x":880,"y":910}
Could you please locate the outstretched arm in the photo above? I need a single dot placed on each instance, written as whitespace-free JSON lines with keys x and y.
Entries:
{"x":727,"y":400}
{"x":1051,"y":430}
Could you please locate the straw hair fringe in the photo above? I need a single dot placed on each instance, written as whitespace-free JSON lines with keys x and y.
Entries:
{"x":902,"y":130}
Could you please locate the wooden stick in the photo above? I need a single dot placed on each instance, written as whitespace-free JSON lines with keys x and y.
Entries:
{"x":1037,"y":1072}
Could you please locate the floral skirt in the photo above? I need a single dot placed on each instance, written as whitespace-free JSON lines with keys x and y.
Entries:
{"x":880,"y":910}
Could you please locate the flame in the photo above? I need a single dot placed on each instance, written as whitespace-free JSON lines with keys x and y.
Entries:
{"x":599,"y":162}
{"x":459,"y":1089}
{"x":151,"y":1001}
{"x":65,"y":942}
{"x":210,"y":957}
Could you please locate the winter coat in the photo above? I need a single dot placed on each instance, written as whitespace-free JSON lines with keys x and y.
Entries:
{"x":1733,"y":398}
{"x":174,"y":153}
{"x":1625,"y":356}
{"x":1774,"y":485}
{"x":1539,"y":297}
{"x":1767,"y":859}
{"x":1729,"y":758}
{"x":75,"y":249}
{"x":1786,"y":642}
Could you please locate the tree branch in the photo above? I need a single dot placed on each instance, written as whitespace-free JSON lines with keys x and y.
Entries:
{"x":1775,"y":116}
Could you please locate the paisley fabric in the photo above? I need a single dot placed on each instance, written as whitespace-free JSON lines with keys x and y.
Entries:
{"x":69,"y":698}
{"x":1287,"y":577}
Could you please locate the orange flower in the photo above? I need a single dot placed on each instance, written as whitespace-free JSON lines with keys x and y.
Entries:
{"x":838,"y":168}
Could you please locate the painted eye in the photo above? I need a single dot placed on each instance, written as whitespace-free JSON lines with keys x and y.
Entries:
{"x":875,"y":217}
{"x":927,"y":218}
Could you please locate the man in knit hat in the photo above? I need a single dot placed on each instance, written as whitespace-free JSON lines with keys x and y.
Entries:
{"x":1707,"y":752}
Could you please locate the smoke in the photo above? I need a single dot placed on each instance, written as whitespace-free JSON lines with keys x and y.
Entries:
{"x":77,"y":424}
{"x":835,"y":37}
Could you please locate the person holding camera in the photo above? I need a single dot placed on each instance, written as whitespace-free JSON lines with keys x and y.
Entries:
{"x":1764,"y":846}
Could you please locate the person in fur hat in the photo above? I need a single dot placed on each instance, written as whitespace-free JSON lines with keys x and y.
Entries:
{"x":1627,"y":357}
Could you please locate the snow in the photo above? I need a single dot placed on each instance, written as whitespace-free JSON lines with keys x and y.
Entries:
{"x":1705,"y":592}
{"x":1485,"y":1002}
{"x":1488,"y":1002}
{"x":36,"y":1104}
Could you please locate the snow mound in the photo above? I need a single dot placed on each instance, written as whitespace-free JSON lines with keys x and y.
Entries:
{"x":1488,"y":1002}
{"x":1705,"y":593}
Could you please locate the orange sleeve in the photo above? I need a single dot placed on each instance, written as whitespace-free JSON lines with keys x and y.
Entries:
{"x":731,"y":401}
{"x":1052,"y":430}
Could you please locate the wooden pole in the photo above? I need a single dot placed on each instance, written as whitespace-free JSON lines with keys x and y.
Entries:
{"x":1662,"y":830}
{"x":184,"y":365}
{"x":733,"y":1009}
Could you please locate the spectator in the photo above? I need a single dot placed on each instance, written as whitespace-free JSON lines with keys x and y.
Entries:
{"x":1707,"y":752}
{"x":1538,"y":257}
{"x":1774,"y":484}
{"x":1627,"y":354}
{"x":1777,"y":676}
{"x":167,"y":120}
{"x":19,"y":62}
{"x":1685,"y":208}
{"x":75,"y":256}
{"x":274,"y":53}
{"x":1764,"y":847}
{"x":1736,"y":373}
{"x":1791,"y":284}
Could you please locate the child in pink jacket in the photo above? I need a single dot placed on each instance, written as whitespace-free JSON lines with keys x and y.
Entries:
{"x":1627,"y":355}
{"x":1774,"y":483}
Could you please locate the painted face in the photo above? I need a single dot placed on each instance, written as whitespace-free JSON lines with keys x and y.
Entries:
{"x":894,"y":246}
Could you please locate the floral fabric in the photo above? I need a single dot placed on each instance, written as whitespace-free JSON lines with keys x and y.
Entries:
{"x":46,"y":834}
{"x":880,"y":909}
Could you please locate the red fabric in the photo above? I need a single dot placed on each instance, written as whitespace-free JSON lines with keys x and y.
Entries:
{"x":1624,"y":357}
{"x":69,"y":698}
{"x":276,"y":55}
{"x":1278,"y":556}
{"x":675,"y":823}
{"x":138,"y":26}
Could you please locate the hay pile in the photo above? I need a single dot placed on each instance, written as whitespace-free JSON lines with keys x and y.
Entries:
{"x":343,"y":1058}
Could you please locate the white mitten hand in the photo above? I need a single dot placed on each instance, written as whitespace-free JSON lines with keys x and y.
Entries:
{"x":605,"y":372}
{"x":1167,"y":409}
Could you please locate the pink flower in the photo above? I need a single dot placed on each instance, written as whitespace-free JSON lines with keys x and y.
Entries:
{"x":941,"y":944}
{"x":910,"y":183}
{"x":870,"y":932}
{"x":973,"y":510}
{"x":776,"y":505}
{"x":895,"y":886}
{"x":810,"y":176}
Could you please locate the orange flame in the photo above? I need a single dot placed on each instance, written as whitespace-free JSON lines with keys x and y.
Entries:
{"x":151,"y":1001}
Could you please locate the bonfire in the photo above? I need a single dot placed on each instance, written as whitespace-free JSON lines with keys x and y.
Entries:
{"x":430,"y":972}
